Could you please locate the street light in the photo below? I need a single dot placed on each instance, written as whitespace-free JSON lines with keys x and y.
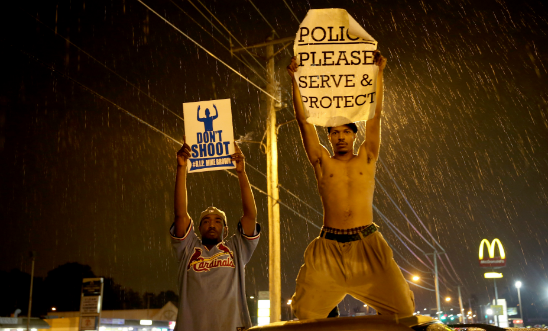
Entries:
{"x":518,"y":286}
{"x":416,"y":278}
{"x":448,"y":299}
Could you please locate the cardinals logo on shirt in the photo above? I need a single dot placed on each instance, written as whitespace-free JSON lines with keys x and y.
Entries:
{"x":223,"y":259}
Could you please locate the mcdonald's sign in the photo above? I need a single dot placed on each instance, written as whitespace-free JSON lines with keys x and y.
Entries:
{"x":492,"y":261}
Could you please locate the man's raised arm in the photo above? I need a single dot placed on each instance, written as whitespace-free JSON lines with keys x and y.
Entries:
{"x":216,"y":113}
{"x":308,"y":131}
{"x":198,"y":115}
{"x":373,"y":126}
{"x":182,"y":218}
{"x":249,"y":218}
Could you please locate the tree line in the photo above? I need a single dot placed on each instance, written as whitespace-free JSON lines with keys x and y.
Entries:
{"x":61,"y":289}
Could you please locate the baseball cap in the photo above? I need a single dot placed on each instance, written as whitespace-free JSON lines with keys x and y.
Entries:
{"x":213,"y":210}
{"x":351,"y":126}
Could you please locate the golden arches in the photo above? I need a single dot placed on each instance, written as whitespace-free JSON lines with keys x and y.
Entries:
{"x":491,"y":248}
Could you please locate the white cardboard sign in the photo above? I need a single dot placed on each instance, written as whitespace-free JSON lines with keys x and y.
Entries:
{"x":336,"y":75}
{"x":210,"y":135}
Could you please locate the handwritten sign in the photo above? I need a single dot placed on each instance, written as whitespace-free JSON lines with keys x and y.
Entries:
{"x":210,"y":135}
{"x":336,"y":75}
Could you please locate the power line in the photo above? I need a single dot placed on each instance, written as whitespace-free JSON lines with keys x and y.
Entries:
{"x":241,"y":45}
{"x":208,"y":52}
{"x":295,"y":16}
{"x":412,"y":209}
{"x":220,"y":43}
{"x":456,"y":274}
{"x":407,"y":261}
{"x":410,"y":282}
{"x":50,"y":67}
{"x":449,"y":273}
{"x":410,"y":250}
{"x":401,"y":212}
{"x":289,"y":192}
{"x":420,"y":221}
{"x":106,"y":67}
{"x":264,"y":18}
{"x":417,"y":285}
{"x":230,"y":33}
{"x":273,"y":30}
{"x":207,"y":19}
{"x":149,"y":125}
{"x":279,"y":201}
{"x":401,"y":233}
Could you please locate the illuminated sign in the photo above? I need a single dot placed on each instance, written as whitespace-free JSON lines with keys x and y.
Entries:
{"x":492,"y":275}
{"x":492,"y":261}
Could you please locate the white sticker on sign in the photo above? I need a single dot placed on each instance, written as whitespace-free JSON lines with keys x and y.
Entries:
{"x":210,"y":135}
{"x":336,"y":74}
{"x":90,"y":305}
{"x":88,"y":322}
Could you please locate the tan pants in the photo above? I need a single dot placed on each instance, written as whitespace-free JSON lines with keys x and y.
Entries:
{"x":364,"y":268}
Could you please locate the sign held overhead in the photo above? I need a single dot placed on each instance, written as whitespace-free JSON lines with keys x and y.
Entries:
{"x":210,"y":135}
{"x":337,"y":75}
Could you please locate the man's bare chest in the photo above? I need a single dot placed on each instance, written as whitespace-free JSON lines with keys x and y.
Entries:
{"x":353,"y":173}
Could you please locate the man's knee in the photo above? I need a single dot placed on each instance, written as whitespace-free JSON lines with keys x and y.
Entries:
{"x":311,"y":308}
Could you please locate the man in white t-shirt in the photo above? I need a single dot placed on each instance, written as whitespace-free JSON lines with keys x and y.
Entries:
{"x":211,"y":270}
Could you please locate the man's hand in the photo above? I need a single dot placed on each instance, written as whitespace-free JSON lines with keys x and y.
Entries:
{"x":379,"y":60}
{"x":183,"y":154}
{"x":292,"y":67}
{"x":239,"y":158}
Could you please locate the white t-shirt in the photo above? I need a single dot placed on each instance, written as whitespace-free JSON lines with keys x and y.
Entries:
{"x":213,"y":279}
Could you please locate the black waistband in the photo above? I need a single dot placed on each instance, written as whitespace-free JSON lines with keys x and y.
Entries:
{"x":343,"y":238}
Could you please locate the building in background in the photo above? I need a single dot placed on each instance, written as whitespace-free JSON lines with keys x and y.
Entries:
{"x":162,"y":319}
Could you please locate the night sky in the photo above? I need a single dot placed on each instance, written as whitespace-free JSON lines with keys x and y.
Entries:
{"x":464,"y":135}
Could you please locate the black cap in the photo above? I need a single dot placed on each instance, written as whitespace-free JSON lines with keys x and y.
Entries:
{"x":352,"y":127}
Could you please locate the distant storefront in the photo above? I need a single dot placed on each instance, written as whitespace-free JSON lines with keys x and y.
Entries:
{"x":118,"y":320}
{"x":20,"y":324}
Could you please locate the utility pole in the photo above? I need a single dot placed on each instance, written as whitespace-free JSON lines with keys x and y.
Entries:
{"x":496,"y":302}
{"x":274,"y":268}
{"x":33,"y":257}
{"x":518,"y":285}
{"x":436,"y":281}
{"x":437,"y":284}
{"x":462,"y":315}
{"x":471,"y":310}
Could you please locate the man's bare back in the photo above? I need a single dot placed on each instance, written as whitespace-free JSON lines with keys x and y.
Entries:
{"x":346,"y":181}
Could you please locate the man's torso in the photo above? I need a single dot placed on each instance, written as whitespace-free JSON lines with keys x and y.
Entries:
{"x":346,"y":189}
{"x":212,"y":281}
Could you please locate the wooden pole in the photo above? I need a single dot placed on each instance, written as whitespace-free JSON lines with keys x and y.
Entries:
{"x":436,"y":282}
{"x":462,"y":313}
{"x":274,"y":273}
{"x":33,"y":257}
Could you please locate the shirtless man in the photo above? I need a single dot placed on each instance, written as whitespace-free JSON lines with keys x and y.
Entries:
{"x":350,"y":256}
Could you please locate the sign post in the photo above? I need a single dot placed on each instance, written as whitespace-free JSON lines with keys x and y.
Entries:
{"x":493,"y":262}
{"x":91,"y":304}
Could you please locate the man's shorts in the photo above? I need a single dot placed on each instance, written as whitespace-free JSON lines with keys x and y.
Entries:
{"x":359,"y":263}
